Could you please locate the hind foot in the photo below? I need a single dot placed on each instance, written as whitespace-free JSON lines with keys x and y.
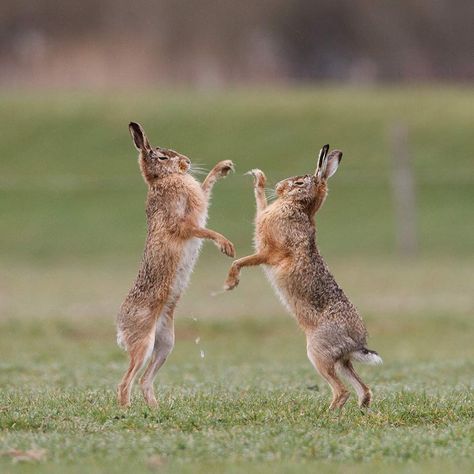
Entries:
{"x":123,"y":397}
{"x":366,"y":399}
{"x":339,"y":400}
{"x":149,"y":396}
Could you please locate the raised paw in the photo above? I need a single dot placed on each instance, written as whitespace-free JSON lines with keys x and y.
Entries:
{"x":259,"y":179}
{"x":227,"y":247}
{"x":223,"y":168}
{"x":231,"y":283}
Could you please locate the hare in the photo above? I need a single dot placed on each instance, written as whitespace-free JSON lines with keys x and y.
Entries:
{"x":176,"y":211}
{"x":285,"y":245}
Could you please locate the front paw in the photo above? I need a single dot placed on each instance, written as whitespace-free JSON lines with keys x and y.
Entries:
{"x":226,"y":247}
{"x":231,"y":283}
{"x":223,"y":168}
{"x":259,"y":178}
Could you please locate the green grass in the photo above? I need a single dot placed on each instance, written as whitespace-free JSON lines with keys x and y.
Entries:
{"x":72,"y":231}
{"x":69,"y":178}
{"x":246,"y":402}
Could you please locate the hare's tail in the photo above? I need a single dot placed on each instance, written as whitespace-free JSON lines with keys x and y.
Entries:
{"x":366,"y":356}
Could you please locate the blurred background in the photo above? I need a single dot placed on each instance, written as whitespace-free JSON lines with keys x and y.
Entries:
{"x":221,"y":43}
{"x":264,"y":84}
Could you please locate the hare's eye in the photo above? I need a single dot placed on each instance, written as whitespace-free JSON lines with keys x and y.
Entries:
{"x":299,"y":183}
{"x":162,"y":158}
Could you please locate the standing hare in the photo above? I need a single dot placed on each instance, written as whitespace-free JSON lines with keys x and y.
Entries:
{"x":176,"y":211}
{"x":286,"y":247}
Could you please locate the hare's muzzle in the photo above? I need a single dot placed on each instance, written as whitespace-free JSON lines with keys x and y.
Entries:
{"x":281,"y":187}
{"x":184,"y":164}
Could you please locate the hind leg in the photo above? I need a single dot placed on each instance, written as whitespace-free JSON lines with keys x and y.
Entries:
{"x":164,"y":343}
{"x":364,"y":393}
{"x":139,"y":352}
{"x":326,"y":368}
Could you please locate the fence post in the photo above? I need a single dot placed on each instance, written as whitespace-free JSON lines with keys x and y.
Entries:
{"x":403,"y":188}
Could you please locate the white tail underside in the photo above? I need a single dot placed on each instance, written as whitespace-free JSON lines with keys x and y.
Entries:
{"x":369,"y":357}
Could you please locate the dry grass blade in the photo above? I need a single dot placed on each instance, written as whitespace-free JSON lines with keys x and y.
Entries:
{"x":155,"y":462}
{"x":30,"y":455}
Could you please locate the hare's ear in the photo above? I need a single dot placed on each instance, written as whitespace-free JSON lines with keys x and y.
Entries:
{"x":332,"y":162}
{"x":322,"y":155}
{"x":139,"y":138}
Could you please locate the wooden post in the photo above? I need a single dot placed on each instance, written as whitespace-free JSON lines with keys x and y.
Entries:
{"x":403,"y":186}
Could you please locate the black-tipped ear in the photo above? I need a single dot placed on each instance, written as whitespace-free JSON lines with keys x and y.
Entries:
{"x":322,"y":155}
{"x":139,"y":138}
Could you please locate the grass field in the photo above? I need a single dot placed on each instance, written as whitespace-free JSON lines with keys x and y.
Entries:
{"x":71,"y":234}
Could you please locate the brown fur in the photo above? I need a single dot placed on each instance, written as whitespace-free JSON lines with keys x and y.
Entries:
{"x":285,"y":241}
{"x":176,"y":211}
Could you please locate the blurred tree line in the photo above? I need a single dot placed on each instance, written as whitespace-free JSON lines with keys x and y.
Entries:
{"x":210,"y":43}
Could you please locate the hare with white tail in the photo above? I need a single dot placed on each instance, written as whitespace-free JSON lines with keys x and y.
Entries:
{"x":285,"y":241}
{"x":176,"y":211}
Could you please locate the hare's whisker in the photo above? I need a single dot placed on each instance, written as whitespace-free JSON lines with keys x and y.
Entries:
{"x":270,"y":192}
{"x":198,"y":165}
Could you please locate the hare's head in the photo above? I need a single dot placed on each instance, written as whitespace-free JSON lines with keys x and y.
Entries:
{"x":311,"y":189}
{"x":296,"y":188}
{"x":156,"y":162}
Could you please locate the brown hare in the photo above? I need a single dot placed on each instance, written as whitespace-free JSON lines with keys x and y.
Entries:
{"x":176,"y":211}
{"x":285,"y":245}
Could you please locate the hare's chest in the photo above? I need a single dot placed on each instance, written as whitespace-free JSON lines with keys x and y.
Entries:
{"x":189,"y":255}
{"x":193,"y":208}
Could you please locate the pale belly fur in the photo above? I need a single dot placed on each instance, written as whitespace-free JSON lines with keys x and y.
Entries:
{"x":185,"y":267}
{"x":272,"y":277}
